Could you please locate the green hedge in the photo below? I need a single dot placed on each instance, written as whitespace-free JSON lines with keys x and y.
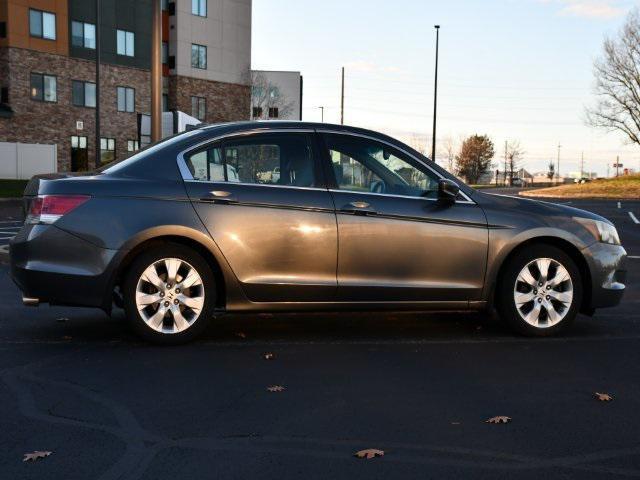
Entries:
{"x":12,"y":188}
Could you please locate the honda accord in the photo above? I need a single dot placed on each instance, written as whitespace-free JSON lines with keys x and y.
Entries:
{"x":291,"y":216}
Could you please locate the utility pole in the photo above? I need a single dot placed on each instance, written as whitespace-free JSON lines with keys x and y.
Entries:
{"x":558,"y":165}
{"x":98,"y":35}
{"x":342,"y":100}
{"x":435,"y":97}
{"x":582,"y":165}
{"x":617,"y":166}
{"x":322,"y":113}
{"x":505,"y":162}
{"x":156,"y":73}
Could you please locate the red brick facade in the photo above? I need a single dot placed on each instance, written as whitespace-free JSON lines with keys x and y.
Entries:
{"x":225,"y":102}
{"x":55,"y":123}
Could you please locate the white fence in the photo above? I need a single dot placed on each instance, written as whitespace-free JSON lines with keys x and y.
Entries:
{"x":24,"y":160}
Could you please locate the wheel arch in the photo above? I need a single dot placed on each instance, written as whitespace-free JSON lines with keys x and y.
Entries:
{"x":560,"y":243}
{"x":219,"y":269}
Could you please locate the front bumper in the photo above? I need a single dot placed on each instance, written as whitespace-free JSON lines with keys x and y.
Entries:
{"x":607,"y":267}
{"x":59,"y":268}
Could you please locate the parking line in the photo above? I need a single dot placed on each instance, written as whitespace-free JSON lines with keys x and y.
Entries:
{"x":633,"y":217}
{"x":619,"y":205}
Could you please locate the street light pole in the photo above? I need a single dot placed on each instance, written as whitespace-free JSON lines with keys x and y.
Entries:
{"x":156,"y":73}
{"x":558,"y":165}
{"x":98,"y":35}
{"x":322,"y":113}
{"x":435,"y":97}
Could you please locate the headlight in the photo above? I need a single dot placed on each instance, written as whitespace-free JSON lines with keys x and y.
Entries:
{"x":602,"y":231}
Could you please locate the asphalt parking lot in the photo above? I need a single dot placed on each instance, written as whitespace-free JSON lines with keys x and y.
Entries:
{"x":418,"y":386}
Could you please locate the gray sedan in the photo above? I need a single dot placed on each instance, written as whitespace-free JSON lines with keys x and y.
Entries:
{"x":285,"y":216}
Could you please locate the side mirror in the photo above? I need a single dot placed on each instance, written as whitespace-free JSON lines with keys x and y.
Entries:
{"x":447,"y":191}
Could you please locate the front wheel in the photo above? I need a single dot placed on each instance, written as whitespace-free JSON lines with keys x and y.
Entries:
{"x":540,"y":292}
{"x":169,"y":293}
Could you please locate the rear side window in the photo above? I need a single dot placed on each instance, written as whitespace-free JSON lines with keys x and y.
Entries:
{"x":267,"y":159}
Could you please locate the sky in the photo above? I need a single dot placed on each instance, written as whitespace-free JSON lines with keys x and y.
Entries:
{"x":518,"y":70}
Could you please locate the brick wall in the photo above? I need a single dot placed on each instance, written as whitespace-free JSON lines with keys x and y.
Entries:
{"x":43,"y":122}
{"x":55,"y":123}
{"x":226,"y":102}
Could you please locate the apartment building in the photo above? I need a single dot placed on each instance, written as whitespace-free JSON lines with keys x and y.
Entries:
{"x":48,"y":65}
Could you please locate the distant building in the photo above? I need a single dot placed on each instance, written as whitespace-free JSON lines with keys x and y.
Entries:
{"x":276,"y":95}
{"x":47,"y":71}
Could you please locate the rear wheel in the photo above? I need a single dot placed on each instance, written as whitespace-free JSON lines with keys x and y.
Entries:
{"x":540,"y":291}
{"x":169,"y":293}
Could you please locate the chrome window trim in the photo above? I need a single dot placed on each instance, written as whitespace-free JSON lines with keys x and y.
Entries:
{"x":222,"y":182}
{"x":392,"y":195}
{"x":379,"y":140}
{"x":187,"y":176}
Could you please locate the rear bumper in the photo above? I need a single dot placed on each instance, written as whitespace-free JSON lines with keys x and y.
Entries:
{"x":607,"y":265}
{"x":59,"y":268}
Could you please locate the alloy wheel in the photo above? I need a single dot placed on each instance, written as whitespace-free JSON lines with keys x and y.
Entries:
{"x":543,"y":292}
{"x":170,"y":295}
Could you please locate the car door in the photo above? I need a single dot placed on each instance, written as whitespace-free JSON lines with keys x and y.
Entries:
{"x":263,"y":200}
{"x":397,"y":242}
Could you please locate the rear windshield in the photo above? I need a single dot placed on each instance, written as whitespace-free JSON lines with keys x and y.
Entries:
{"x":152,"y":148}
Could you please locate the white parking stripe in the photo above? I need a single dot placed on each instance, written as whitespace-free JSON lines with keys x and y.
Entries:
{"x":619,"y":205}
{"x":633,"y":217}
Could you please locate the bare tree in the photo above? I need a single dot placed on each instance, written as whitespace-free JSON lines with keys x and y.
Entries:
{"x":449,"y":151}
{"x":514,"y":157}
{"x":618,"y":83}
{"x":552,"y":170}
{"x":418,"y":143}
{"x":265,"y":97}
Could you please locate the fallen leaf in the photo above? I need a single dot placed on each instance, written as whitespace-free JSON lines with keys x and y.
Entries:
{"x":276,"y":388}
{"x":241,"y":335}
{"x":604,"y":397}
{"x":62,"y":319}
{"x":499,"y":419}
{"x":268,"y":356}
{"x":34,"y":456}
{"x":369,"y":453}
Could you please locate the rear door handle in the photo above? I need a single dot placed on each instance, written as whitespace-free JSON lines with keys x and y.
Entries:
{"x":220,"y":196}
{"x":358,"y":208}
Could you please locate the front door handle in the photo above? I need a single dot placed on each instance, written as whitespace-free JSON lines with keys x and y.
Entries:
{"x":358,"y":208}
{"x":220,"y":196}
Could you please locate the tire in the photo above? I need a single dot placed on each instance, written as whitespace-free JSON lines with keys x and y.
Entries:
{"x":164,"y":313}
{"x":545,"y":310}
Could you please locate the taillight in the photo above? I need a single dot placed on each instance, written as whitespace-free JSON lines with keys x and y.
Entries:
{"x":49,"y":208}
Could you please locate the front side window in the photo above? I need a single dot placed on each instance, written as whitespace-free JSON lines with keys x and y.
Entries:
{"x":44,"y":87}
{"x":83,"y":34}
{"x":266,"y":159}
{"x":125,"y":43}
{"x":363,"y":165}
{"x":199,"y":108}
{"x":107,"y":150}
{"x":83,"y":93}
{"x":42,"y":24}
{"x":198,"y":56}
{"x":199,"y":7}
{"x":126,"y":99}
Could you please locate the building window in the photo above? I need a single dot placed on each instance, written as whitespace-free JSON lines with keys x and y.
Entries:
{"x":165,"y":52}
{"x":3,"y":29}
{"x":165,"y":102}
{"x":4,"y":95}
{"x":83,"y":94}
{"x":132,"y":146}
{"x":83,"y":35}
{"x":257,"y":112}
{"x":42,"y":24}
{"x":78,"y":142}
{"x":125,"y":43}
{"x":198,"y":56}
{"x":126,"y":99}
{"x":44,"y":87}
{"x":199,"y":7}
{"x":273,"y":112}
{"x":164,"y":4}
{"x":107,"y":150}
{"x":199,"y":108}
